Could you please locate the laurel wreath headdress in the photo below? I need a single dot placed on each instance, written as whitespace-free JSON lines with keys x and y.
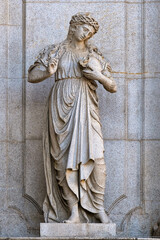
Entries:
{"x":85,"y":18}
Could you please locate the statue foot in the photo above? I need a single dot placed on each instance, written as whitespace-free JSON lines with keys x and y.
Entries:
{"x":103,"y":217}
{"x":74,"y":218}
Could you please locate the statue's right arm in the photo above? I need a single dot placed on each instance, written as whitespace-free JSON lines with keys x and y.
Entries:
{"x":38,"y":73}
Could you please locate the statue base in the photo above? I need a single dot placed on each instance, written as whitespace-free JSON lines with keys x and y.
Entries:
{"x":80,"y":230}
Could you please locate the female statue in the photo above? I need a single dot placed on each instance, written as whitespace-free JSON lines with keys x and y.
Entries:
{"x":72,"y":143}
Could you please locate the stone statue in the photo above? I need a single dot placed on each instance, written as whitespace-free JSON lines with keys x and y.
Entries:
{"x":72,"y":143}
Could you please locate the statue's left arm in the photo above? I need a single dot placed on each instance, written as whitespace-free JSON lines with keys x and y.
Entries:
{"x":108,"y":82}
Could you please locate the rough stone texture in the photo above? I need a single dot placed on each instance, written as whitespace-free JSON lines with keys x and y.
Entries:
{"x":60,"y":230}
{"x":130,"y":33}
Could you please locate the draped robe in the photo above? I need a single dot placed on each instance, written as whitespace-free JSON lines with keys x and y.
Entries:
{"x":73,"y":147}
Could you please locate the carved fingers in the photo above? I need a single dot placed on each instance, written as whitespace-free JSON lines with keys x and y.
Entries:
{"x":53,"y":64}
{"x":93,"y":75}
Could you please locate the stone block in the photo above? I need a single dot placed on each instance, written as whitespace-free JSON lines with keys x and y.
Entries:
{"x":3,"y":107}
{"x":4,"y":11}
{"x":112,"y":111}
{"x":115,"y":164}
{"x":15,"y":109}
{"x":35,"y":119}
{"x":153,"y":208}
{"x":123,"y":168}
{"x":135,"y":110}
{"x":15,"y":200}
{"x":133,"y":38}
{"x":15,"y":52}
{"x":3,"y":199}
{"x":15,"y":165}
{"x":133,"y":179}
{"x":152,"y":113}
{"x":4,"y":51}
{"x":38,"y":93}
{"x":60,"y":230}
{"x":15,"y":12}
{"x":13,"y":224}
{"x":110,"y":37}
{"x":151,"y":171}
{"x":34,"y":171}
{"x":152,"y":36}
{"x":3,"y":164}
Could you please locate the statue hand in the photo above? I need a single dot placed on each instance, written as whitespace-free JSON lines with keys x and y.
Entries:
{"x":53,"y":66}
{"x":93,"y":75}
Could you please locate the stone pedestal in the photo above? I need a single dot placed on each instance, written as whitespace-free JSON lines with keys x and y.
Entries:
{"x":86,"y":230}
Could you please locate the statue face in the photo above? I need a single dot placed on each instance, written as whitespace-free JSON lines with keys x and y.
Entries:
{"x":83,"y":32}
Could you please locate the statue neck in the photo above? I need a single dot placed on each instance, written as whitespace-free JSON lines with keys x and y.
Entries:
{"x":78,"y":45}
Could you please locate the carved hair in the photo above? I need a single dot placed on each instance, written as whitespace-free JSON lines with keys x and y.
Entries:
{"x":85,"y":18}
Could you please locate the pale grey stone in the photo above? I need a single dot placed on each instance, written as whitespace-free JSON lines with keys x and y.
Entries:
{"x":15,"y":177}
{"x":133,"y":179}
{"x":3,"y":51}
{"x":79,"y":229}
{"x":13,"y":225}
{"x":112,"y":111}
{"x":3,"y":164}
{"x":15,"y":110}
{"x":76,"y":1}
{"x":115,"y":163}
{"x":134,"y":38}
{"x":35,"y":119}
{"x":15,"y":200}
{"x":15,"y":12}
{"x":3,"y":199}
{"x":135,"y":109}
{"x":123,"y":167}
{"x":152,"y":113}
{"x":34,"y":171}
{"x":153,"y":209}
{"x":151,"y":171}
{"x":136,"y":224}
{"x":72,"y":119}
{"x":110,"y":35}
{"x":38,"y":93}
{"x":3,"y":107}
{"x":4,"y":11}
{"x":15,"y":49}
{"x":152,"y":36}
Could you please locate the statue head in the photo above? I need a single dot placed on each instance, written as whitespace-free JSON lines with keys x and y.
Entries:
{"x":82,"y":26}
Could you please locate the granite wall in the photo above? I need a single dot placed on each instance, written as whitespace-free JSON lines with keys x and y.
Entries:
{"x":129,"y":37}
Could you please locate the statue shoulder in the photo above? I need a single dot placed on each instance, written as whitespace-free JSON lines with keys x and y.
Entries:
{"x":47,"y":53}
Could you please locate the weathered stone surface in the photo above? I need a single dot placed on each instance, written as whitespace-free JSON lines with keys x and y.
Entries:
{"x":15,"y":12}
{"x":111,"y":34}
{"x":3,"y":107}
{"x":81,"y":230}
{"x":135,"y":109}
{"x":34,"y":171}
{"x":112,"y":111}
{"x":152,"y":170}
{"x":122,"y":41}
{"x":15,"y":116}
{"x":15,"y":49}
{"x":3,"y":164}
{"x":126,"y":195}
{"x":4,"y":12}
{"x":134,"y":38}
{"x":15,"y":170}
{"x":4,"y":51}
{"x":152,"y":36}
{"x":152,"y":113}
